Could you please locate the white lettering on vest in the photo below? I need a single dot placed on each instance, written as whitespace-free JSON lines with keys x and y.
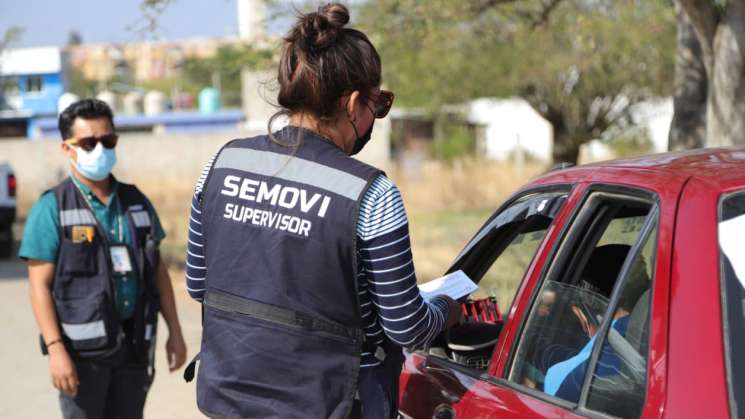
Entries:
{"x":268,"y":219}
{"x":266,"y":194}
{"x":283,"y":197}
{"x":229,"y":210}
{"x":324,"y":206}
{"x":247,"y":190}
{"x":231,"y":183}
{"x":276,"y":195}
{"x":305,"y":204}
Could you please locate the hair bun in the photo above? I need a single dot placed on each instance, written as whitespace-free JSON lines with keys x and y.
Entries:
{"x":321,"y":29}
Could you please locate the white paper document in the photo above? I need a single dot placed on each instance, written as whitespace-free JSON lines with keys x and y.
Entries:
{"x":454,"y":285}
{"x":731,"y":233}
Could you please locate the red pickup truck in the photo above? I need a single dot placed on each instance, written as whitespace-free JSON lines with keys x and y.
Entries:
{"x":624,"y":289}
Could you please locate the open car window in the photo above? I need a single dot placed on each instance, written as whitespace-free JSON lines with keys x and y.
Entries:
{"x":581,"y":317}
{"x":500,"y":253}
{"x":497,"y":259}
{"x":732,"y":255}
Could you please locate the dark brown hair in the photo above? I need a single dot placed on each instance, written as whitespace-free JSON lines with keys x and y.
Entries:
{"x":85,"y":109}
{"x":322,"y":61}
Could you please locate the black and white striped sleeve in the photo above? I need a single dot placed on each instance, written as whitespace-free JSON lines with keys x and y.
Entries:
{"x":389,"y":277}
{"x":196,"y":269}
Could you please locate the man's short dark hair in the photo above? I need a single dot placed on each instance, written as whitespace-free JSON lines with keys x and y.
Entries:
{"x":86,"y":109}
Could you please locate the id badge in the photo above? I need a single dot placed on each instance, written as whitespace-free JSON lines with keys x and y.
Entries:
{"x":82,"y":234}
{"x":120,"y":259}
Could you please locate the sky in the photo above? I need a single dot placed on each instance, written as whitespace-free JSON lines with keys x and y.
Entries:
{"x":48,"y":22}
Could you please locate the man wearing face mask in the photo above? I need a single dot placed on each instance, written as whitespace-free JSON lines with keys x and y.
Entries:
{"x":96,"y":278}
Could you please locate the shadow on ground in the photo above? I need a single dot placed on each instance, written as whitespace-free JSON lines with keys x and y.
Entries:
{"x":12,"y":269}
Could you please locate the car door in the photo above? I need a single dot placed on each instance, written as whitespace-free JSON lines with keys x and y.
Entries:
{"x":435,"y":380}
{"x":583,"y":346}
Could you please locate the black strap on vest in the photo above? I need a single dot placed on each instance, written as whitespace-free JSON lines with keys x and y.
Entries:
{"x":274,"y":314}
{"x":270,"y":313}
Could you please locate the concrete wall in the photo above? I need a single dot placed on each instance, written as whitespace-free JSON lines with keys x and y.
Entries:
{"x":157,"y":163}
{"x":40,"y":165}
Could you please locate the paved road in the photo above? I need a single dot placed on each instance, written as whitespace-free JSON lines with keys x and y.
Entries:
{"x":24,"y":384}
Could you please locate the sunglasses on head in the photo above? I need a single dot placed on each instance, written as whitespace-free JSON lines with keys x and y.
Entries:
{"x":383,"y":104}
{"x":89,"y":143}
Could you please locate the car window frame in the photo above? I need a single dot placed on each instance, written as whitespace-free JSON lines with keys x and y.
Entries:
{"x":567,"y":188}
{"x":735,"y":408}
{"x":556,"y":257}
{"x":484,"y":375}
{"x":651,"y":223}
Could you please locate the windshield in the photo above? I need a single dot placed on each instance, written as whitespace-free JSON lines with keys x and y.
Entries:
{"x":732,"y":247}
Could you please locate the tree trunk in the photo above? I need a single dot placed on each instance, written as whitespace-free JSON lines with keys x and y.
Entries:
{"x":725,"y":118}
{"x":721,"y":37}
{"x":565,"y":148}
{"x":688,"y":128}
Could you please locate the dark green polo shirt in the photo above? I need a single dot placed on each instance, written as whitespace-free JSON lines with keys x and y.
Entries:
{"x":41,"y":239}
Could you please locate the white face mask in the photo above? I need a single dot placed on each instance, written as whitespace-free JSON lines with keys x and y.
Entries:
{"x":95,"y":164}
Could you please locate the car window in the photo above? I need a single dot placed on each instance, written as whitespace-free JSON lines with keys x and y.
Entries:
{"x":567,"y":315}
{"x":501,"y":252}
{"x":497,"y":259}
{"x":731,"y":231}
{"x":504,"y":275}
{"x":619,"y":379}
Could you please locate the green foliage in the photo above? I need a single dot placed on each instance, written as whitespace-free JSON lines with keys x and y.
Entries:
{"x":632,"y":142}
{"x":74,"y":38}
{"x":226,"y":65}
{"x":580,"y":64}
{"x":453,"y":140}
{"x":10,"y":36}
{"x":80,"y":85}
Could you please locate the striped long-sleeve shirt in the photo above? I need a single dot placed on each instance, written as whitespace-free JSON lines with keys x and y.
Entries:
{"x":389,"y":297}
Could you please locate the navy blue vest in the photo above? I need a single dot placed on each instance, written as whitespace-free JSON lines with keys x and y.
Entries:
{"x":83,"y":289}
{"x":282,"y":330}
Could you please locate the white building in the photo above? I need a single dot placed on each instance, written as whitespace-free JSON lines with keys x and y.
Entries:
{"x":511,"y":126}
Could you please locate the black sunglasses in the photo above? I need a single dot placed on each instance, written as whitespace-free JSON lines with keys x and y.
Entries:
{"x":89,"y":143}
{"x":383,"y":104}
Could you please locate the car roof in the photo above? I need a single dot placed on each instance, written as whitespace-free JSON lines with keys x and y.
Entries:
{"x":723,"y":167}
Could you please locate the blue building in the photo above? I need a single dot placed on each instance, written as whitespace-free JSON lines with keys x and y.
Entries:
{"x":31,"y":83}
{"x":32,"y":80}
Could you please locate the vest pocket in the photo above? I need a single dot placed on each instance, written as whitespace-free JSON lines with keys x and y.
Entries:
{"x":85,"y":322}
{"x":79,"y":259}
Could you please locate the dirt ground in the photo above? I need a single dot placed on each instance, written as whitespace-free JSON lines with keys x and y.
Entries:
{"x":26,"y":389}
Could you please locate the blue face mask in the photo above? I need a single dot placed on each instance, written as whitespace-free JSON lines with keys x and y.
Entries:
{"x":95,"y":164}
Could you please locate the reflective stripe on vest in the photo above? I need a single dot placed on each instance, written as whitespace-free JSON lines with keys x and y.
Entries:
{"x":292,"y":168}
{"x":141,"y":219}
{"x":71,"y":217}
{"x":84,"y":331}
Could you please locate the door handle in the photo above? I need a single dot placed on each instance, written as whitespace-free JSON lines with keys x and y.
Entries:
{"x":443,"y":411}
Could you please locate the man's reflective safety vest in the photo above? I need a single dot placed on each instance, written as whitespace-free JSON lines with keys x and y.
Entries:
{"x":83,"y":289}
{"x":282,"y":331}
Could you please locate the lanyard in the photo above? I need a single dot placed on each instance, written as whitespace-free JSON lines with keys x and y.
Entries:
{"x":119,"y":222}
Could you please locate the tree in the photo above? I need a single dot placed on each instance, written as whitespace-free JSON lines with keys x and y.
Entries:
{"x":74,"y":38}
{"x":10,"y":36}
{"x":575,"y":61}
{"x":226,"y":65}
{"x":710,"y":80}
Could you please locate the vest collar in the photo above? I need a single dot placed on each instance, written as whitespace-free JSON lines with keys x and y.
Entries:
{"x":291,"y":131}
{"x":88,"y":193}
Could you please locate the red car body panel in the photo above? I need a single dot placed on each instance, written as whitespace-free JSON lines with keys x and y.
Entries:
{"x":695,"y":389}
{"x":686,"y":375}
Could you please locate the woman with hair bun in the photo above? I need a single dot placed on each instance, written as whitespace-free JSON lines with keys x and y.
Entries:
{"x":300,"y":254}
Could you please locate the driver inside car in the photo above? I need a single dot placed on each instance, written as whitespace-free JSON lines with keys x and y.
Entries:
{"x":566,"y":315}
{"x":565,"y":379}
